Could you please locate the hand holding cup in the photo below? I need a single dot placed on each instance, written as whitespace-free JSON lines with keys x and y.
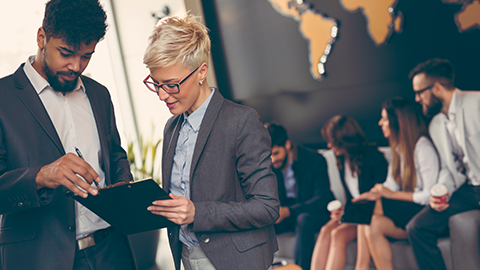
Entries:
{"x":438,"y":198}
{"x":336,"y":209}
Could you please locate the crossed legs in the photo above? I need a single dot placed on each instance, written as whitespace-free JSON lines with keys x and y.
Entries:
{"x":330,"y":248}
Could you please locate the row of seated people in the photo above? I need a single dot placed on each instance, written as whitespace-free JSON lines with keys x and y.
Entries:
{"x":447,"y":156}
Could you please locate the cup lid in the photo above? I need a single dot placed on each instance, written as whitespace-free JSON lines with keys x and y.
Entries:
{"x":334,"y":205}
{"x":438,"y":190}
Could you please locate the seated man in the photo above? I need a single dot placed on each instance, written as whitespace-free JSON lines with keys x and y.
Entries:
{"x":455,"y":131}
{"x":303,"y":190}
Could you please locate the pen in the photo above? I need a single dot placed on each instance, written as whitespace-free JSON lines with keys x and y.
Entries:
{"x":81,"y":156}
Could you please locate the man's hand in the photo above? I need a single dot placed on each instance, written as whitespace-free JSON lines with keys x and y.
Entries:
{"x":284,"y":213}
{"x":436,"y":205}
{"x":63,"y":172}
{"x":178,"y":210}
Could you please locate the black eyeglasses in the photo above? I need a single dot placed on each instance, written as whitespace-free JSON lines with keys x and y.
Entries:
{"x":423,"y":90}
{"x":170,"y":88}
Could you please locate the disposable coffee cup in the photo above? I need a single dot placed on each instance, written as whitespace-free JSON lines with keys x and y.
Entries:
{"x":334,"y":205}
{"x":439,"y":191}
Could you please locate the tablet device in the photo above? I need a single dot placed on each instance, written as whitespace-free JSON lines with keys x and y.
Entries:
{"x":124,"y":206}
{"x":359,"y":212}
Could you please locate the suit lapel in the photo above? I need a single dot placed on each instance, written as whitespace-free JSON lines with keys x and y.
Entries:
{"x":440,"y":138}
{"x":170,"y":142}
{"x":206,"y":127}
{"x":460,"y":119}
{"x":31,"y":100}
{"x":101,"y":123}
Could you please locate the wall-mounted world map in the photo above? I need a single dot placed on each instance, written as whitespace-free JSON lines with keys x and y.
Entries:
{"x":381,"y":21}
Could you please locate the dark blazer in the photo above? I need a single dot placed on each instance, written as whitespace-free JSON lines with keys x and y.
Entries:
{"x":37,"y":228}
{"x":374,"y":170}
{"x":232,"y":187}
{"x":312,"y":185}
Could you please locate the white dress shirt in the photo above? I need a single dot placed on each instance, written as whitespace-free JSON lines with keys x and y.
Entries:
{"x":427,"y":167}
{"x":73,"y":119}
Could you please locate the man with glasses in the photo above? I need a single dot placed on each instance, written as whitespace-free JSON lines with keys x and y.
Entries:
{"x":455,"y":131}
{"x":216,"y":159}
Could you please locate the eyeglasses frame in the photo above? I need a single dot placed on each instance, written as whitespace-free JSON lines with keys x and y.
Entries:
{"x":419,"y":92}
{"x":157,"y":86}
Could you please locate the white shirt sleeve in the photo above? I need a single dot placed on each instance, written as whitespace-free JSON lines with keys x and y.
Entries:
{"x":427,"y":166}
{"x":390,"y":181}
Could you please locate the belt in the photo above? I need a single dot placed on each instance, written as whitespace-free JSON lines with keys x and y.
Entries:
{"x":94,"y":238}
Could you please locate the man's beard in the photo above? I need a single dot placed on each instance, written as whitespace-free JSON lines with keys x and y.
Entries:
{"x":433,"y":108}
{"x":54,"y":80}
{"x":285,"y":160}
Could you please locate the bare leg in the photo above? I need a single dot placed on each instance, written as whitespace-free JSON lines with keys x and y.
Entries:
{"x":380,"y":248}
{"x":322,"y":246}
{"x":340,"y":237}
{"x":363,"y":253}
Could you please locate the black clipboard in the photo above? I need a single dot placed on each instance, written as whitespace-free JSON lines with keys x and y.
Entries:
{"x":124,"y":206}
{"x":360,"y":212}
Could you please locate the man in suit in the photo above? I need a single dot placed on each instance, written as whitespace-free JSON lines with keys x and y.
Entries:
{"x":303,"y":189}
{"x":47,"y":110}
{"x":216,"y":159}
{"x":455,"y":131}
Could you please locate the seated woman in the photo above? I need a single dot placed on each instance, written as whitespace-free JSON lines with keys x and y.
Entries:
{"x":412,"y":172}
{"x":361,"y":166}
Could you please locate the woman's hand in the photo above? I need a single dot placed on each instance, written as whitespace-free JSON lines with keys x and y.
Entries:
{"x":382,"y":190}
{"x":337,"y":214}
{"x":368,"y":196}
{"x":178,"y":210}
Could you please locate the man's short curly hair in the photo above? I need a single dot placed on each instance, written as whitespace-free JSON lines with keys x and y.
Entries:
{"x":77,"y":22}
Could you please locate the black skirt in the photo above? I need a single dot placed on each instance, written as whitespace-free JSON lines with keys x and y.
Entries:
{"x":400,"y":212}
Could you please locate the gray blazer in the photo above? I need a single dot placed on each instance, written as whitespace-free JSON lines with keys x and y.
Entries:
{"x":37,"y":228}
{"x":467,"y":118}
{"x":232,"y":186}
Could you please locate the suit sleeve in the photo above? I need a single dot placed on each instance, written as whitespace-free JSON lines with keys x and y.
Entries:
{"x":321,"y":185}
{"x":259,"y":205}
{"x":380,"y":168}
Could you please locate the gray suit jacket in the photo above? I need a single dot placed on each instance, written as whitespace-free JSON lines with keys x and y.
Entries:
{"x":37,"y":228}
{"x":467,"y":118}
{"x":232,"y":186}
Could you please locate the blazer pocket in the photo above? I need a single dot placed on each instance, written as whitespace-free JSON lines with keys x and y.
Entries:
{"x":12,"y":235}
{"x":247,"y":240}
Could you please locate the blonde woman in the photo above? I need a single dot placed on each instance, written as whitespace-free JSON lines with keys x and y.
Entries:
{"x":413,"y":171}
{"x":216,"y":159}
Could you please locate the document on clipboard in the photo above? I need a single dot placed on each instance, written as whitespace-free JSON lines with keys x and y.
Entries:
{"x":124,"y":206}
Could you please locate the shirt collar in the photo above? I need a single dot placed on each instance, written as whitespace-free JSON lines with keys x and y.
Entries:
{"x":195,"y":119}
{"x":452,"y":107}
{"x":39,"y":83}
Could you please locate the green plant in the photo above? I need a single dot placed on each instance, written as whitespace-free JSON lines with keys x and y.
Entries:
{"x":145,"y":166}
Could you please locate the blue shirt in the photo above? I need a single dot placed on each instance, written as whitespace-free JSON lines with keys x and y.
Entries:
{"x":182,"y":162}
{"x":289,"y":180}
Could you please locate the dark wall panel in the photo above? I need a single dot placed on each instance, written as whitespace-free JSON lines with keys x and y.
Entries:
{"x":262,"y":61}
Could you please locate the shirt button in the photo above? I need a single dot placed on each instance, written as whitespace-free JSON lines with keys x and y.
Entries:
{"x":71,"y":228}
{"x":20,"y":204}
{"x":205,"y":239}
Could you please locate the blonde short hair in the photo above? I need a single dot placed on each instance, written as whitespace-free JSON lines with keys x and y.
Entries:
{"x":175,"y":40}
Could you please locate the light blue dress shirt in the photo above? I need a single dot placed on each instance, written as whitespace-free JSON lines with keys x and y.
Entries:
{"x":289,"y":180}
{"x":182,"y":161}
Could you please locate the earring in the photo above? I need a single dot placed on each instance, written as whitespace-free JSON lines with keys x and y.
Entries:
{"x":201,"y":83}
